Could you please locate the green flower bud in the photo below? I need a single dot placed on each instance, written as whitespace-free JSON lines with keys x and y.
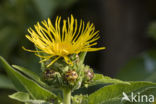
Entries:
{"x":71,"y":76}
{"x":49,"y":74}
{"x":89,"y":75}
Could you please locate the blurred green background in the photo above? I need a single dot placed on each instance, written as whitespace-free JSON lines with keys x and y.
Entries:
{"x":127,"y":29}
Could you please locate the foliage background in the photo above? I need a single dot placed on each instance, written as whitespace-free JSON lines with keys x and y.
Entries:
{"x":128,"y":30}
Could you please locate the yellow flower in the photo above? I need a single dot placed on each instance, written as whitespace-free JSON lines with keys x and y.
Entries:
{"x":56,"y":41}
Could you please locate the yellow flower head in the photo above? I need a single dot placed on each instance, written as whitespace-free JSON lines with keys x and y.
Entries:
{"x":60,"y":41}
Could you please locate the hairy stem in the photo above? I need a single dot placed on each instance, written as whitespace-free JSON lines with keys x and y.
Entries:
{"x":66,"y":96}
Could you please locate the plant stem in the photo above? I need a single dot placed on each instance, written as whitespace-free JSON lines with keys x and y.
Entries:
{"x":66,"y":96}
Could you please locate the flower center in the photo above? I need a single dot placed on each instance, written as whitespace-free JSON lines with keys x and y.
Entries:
{"x":62,"y":48}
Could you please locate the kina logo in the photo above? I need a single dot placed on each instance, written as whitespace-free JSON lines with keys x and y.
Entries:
{"x":138,"y":97}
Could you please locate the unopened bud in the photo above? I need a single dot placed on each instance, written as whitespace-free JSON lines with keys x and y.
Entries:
{"x":71,"y":76}
{"x":89,"y":75}
{"x":49,"y":74}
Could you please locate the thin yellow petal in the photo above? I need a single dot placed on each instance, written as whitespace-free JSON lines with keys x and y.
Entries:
{"x":53,"y":61}
{"x":30,"y":50}
{"x":67,"y":60}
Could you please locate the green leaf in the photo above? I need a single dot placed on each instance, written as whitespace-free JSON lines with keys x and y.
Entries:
{"x":30,"y":74}
{"x":20,"y":96}
{"x":112,"y":94}
{"x":5,"y":82}
{"x":12,"y":76}
{"x":100,"y":79}
{"x":27,"y":72}
{"x":25,"y":97}
{"x":36,"y":91}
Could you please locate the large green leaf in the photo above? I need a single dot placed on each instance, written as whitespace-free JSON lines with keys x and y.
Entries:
{"x":30,"y":74}
{"x":20,"y":96}
{"x":112,"y":94}
{"x":100,"y":79}
{"x":27,"y":72}
{"x":25,"y":97}
{"x":36,"y":91}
